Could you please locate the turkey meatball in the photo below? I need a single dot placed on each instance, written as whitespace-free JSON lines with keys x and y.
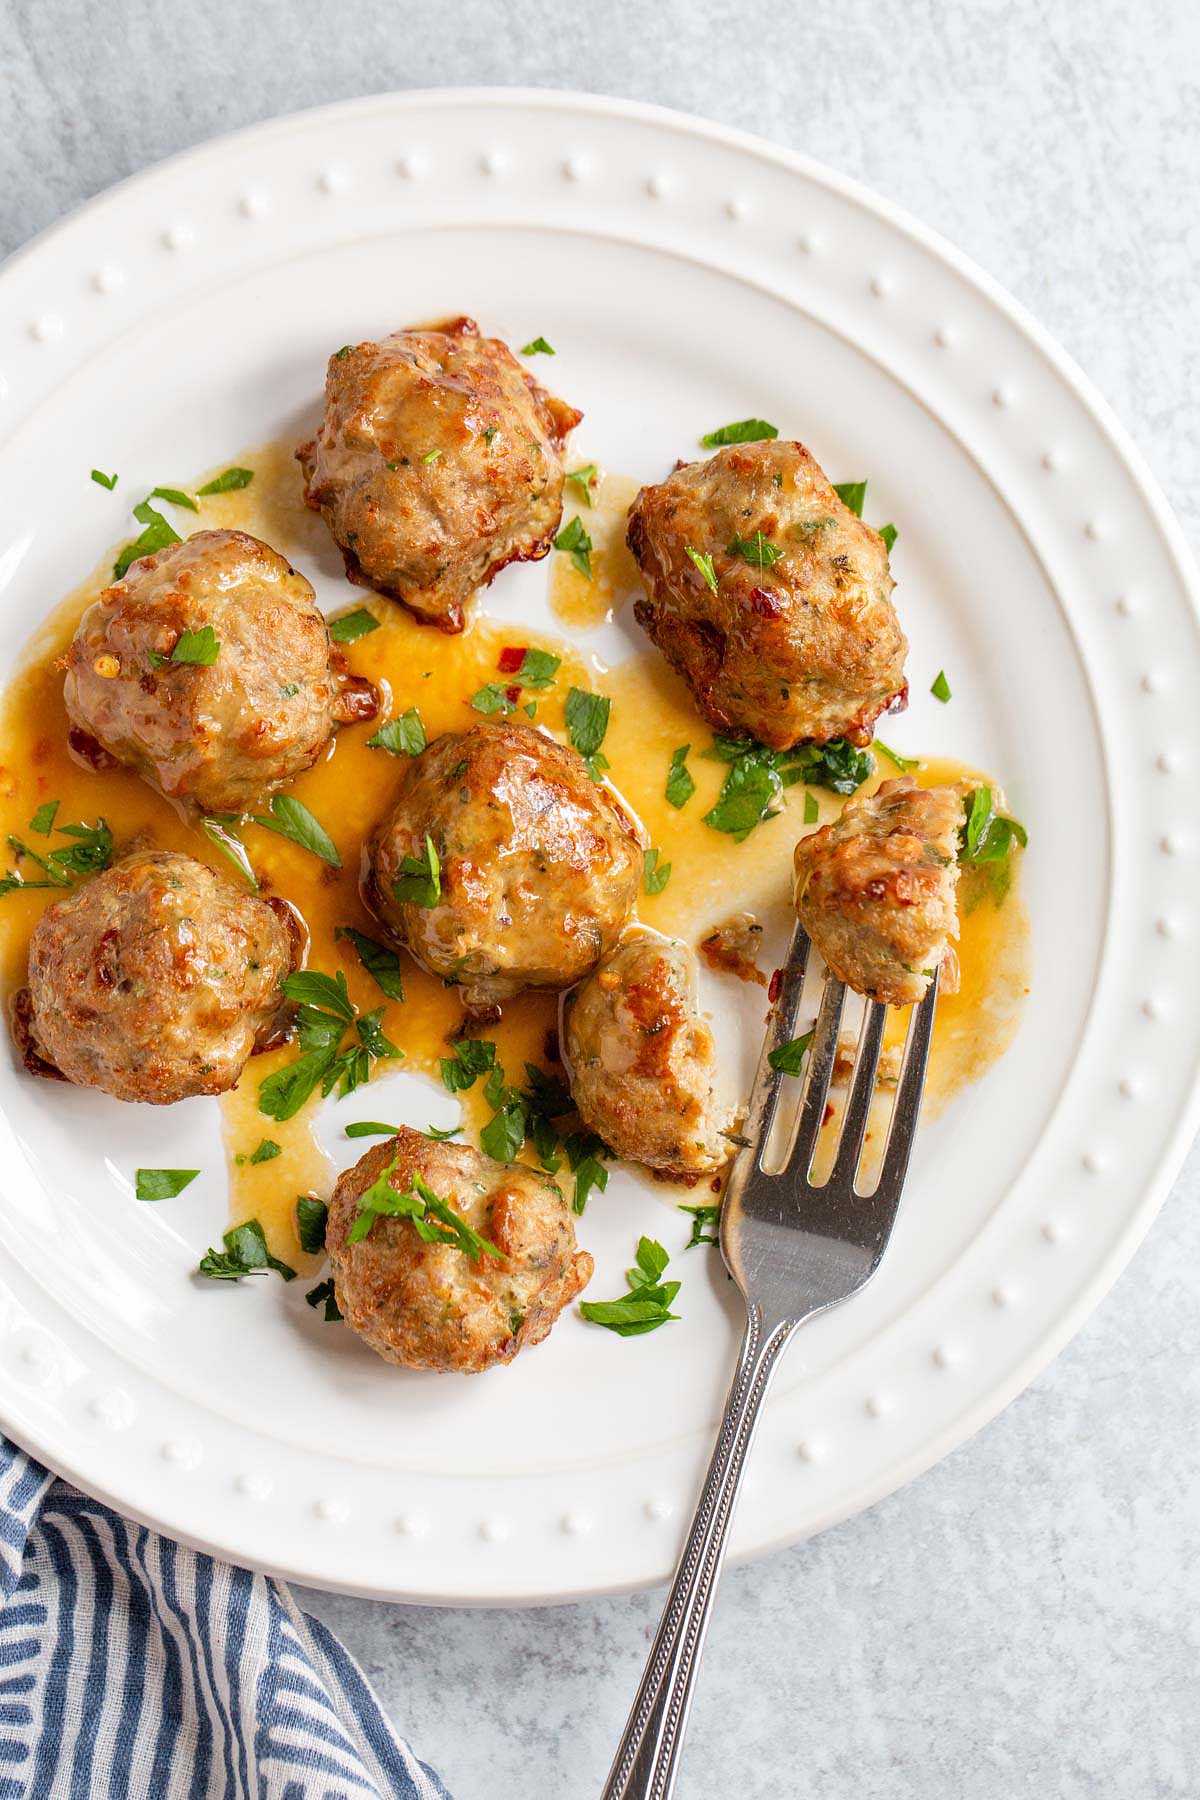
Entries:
{"x":430,"y":1305}
{"x":438,"y":461}
{"x":642,"y":1062}
{"x":875,"y":890}
{"x":210,"y":670}
{"x":789,"y":633}
{"x":503,"y":865}
{"x":157,"y":980}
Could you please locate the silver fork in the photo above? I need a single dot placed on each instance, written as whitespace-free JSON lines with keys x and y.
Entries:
{"x":794,"y":1249}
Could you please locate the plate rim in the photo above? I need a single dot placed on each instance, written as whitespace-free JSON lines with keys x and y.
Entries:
{"x":1155,"y":1185}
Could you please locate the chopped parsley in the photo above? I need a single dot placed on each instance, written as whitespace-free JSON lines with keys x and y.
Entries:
{"x":103,"y":480}
{"x":657,"y":873}
{"x":584,"y":480}
{"x":324,"y":1012}
{"x":586,"y":715}
{"x":370,"y":1128}
{"x":941,"y":687}
{"x":198,"y":649}
{"x":325,"y":1295}
{"x":493,"y":698}
{"x":583,"y":1155}
{"x":889,"y":534}
{"x":175,"y":496}
{"x":537,"y":669}
{"x":43,"y":819}
{"x":404,"y":736}
{"x":647,"y":1305}
{"x":789,"y":1058}
{"x":903,"y":763}
{"x":266,"y":1150}
{"x":812,"y":811}
{"x":757,"y":777}
{"x":851,"y":494}
{"x":291,"y":819}
{"x":469,"y":1059}
{"x":704,"y":562}
{"x":312,"y":1215}
{"x":538,"y":347}
{"x":419,"y":882}
{"x":575,"y":542}
{"x":156,"y":535}
{"x":431,"y":1217}
{"x":987,"y":836}
{"x":757,"y":550}
{"x":162,"y":1184}
{"x":680,"y":786}
{"x":245,"y":1253}
{"x":89,"y":851}
{"x":227,"y":482}
{"x":381,"y":964}
{"x":349,"y":626}
{"x":706,"y":1221}
{"x":231,"y":848}
{"x":742,"y":431}
{"x":432,"y":456}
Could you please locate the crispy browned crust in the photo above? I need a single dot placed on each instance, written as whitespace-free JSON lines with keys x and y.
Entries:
{"x":157,"y":980}
{"x":540,"y":865}
{"x":808,"y":647}
{"x":642,"y":1061}
{"x":876,"y":889}
{"x":427,"y":1306}
{"x":437,"y":463}
{"x":223,"y":735}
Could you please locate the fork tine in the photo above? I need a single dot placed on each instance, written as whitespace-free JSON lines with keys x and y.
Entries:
{"x":862,"y":1093}
{"x":820,"y":1070}
{"x":781,"y":1026}
{"x":906,"y":1110}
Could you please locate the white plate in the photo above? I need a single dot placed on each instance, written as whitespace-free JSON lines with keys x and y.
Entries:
{"x":686,"y":275}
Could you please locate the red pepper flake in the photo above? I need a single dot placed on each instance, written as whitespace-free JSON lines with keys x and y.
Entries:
{"x":513,"y":694}
{"x":776,"y":986}
{"x":762,"y":601}
{"x":828,"y":1114}
{"x":511,"y":658}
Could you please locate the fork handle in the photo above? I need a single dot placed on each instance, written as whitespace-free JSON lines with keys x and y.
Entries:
{"x":647,"y":1759}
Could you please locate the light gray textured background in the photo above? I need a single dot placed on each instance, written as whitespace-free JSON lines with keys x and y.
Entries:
{"x":1025,"y":1619}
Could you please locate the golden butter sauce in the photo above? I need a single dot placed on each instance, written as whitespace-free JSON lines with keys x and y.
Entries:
{"x":351,"y":787}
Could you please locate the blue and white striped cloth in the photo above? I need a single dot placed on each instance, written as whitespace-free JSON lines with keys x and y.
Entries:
{"x":134,"y":1669}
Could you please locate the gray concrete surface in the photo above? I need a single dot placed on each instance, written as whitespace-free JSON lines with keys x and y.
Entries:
{"x":1025,"y":1620}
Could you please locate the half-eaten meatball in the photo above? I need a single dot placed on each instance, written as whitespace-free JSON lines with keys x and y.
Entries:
{"x":503,"y":865}
{"x":156,"y":980}
{"x":438,"y":461}
{"x":875,"y":890}
{"x":781,"y":622}
{"x":210,"y":670}
{"x":431,"y":1304}
{"x":642,"y":1061}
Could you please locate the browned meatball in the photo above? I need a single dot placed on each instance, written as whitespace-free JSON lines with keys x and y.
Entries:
{"x":430,"y":1305}
{"x":157,"y":979}
{"x":438,"y":462}
{"x":538,"y":866}
{"x":642,"y":1062}
{"x":221,"y":734}
{"x":876,"y":890}
{"x":795,"y":636}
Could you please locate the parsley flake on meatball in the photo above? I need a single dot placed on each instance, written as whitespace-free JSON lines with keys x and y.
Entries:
{"x":768,"y":595}
{"x":875,"y":890}
{"x":438,"y":462}
{"x":210,"y":670}
{"x":443,"y":1299}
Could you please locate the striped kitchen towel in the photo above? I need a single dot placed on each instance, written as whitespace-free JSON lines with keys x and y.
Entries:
{"x":133,"y":1668}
